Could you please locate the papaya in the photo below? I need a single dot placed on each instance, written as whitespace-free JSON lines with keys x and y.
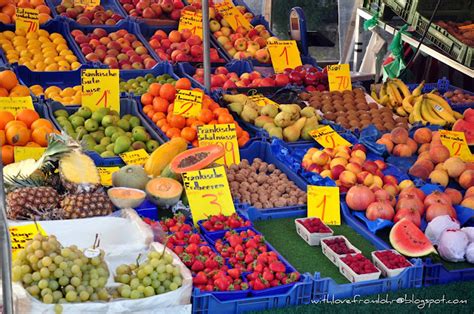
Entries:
{"x":196,"y":158}
{"x":164,"y":192}
{"x":167,"y":173}
{"x":163,"y":155}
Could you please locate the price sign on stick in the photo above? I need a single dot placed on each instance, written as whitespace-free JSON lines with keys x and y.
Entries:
{"x":262,"y":101}
{"x":339,"y":77}
{"x":27,"y":19}
{"x":19,"y":235}
{"x":23,"y":153}
{"x":136,"y":157}
{"x":208,"y":193}
{"x":232,"y":15}
{"x":106,"y":175}
{"x":15,"y":104}
{"x":328,"y":138}
{"x":188,"y":103}
{"x":223,"y":135}
{"x":88,"y":4}
{"x":100,"y":89}
{"x":192,"y":21}
{"x":324,"y":203}
{"x":456,"y":143}
{"x":284,"y":54}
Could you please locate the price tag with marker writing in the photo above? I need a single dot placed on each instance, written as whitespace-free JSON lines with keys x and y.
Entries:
{"x":208,"y":193}
{"x":188,"y":103}
{"x":15,"y":104}
{"x":88,"y":4}
{"x":324,"y":203}
{"x":192,"y":21}
{"x":339,"y":77}
{"x":284,"y":54}
{"x":457,"y":144}
{"x":328,"y":138}
{"x":27,"y":19}
{"x":19,"y":235}
{"x":105,"y":174}
{"x":232,"y":15}
{"x":100,"y":89}
{"x":23,"y":153}
{"x":262,"y":101}
{"x":136,"y":157}
{"x":223,"y":135}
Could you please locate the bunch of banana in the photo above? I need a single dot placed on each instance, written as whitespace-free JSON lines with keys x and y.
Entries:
{"x":432,"y":108}
{"x":392,"y":94}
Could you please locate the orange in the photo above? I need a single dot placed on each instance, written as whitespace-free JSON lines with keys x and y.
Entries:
{"x":42,"y":123}
{"x":173,"y":132}
{"x":37,"y":3}
{"x":165,"y":127}
{"x":7,"y":154}
{"x":40,"y":136}
{"x":3,"y":91}
{"x":183,"y":83}
{"x":225,"y":118}
{"x":238,"y":130}
{"x":218,"y":111}
{"x":8,"y":79}
{"x":15,"y":123}
{"x":195,"y":143}
{"x":43,"y":9}
{"x":25,"y":4}
{"x":146,"y":99}
{"x":188,"y":133}
{"x":32,"y":144}
{"x":4,"y":2}
{"x":178,"y":121}
{"x":205,"y":115}
{"x":9,"y":10}
{"x":158,"y":116}
{"x":43,"y":18}
{"x":147,"y":109}
{"x":154,"y":89}
{"x":2,"y":138}
{"x":167,"y":91}
{"x":160,"y":104}
{"x":5,"y":117}
{"x":18,"y":136}
{"x":19,"y":91}
{"x":161,"y":122}
{"x":150,"y":113}
{"x":190,"y":121}
{"x":212,"y":122}
{"x":5,"y":19}
{"x":195,"y":125}
{"x":28,"y":116}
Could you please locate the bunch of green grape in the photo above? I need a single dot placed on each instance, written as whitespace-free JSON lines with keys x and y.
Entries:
{"x":156,"y":275}
{"x":53,"y":274}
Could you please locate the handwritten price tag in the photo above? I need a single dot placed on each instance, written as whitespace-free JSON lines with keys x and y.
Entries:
{"x":284,"y":54}
{"x":23,"y":153}
{"x":105,"y":174}
{"x":262,"y":101}
{"x":192,"y":21}
{"x":100,"y":89}
{"x":324,"y":203}
{"x":19,"y":235}
{"x":328,"y":138}
{"x":339,"y":76}
{"x":15,"y":104}
{"x":232,"y":15}
{"x":188,"y":103}
{"x":27,"y":19}
{"x":208,"y":193}
{"x":88,"y":4}
{"x":223,"y":135}
{"x":456,"y":143}
{"x":136,"y":157}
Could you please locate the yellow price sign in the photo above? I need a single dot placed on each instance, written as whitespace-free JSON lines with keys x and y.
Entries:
{"x":188,"y":103}
{"x":100,"y":89}
{"x":339,"y":77}
{"x":208,"y":193}
{"x":23,"y":153}
{"x":136,"y":157}
{"x":456,"y":143}
{"x":88,"y":4}
{"x":192,"y":21}
{"x":232,"y":15}
{"x":105,"y":174}
{"x":15,"y":104}
{"x":19,"y":235}
{"x":223,"y":135}
{"x":328,"y":138}
{"x":284,"y":54}
{"x":262,"y":101}
{"x":27,"y":19}
{"x":324,"y":203}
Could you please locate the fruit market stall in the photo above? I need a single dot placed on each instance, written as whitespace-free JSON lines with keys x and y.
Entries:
{"x":144,"y":172}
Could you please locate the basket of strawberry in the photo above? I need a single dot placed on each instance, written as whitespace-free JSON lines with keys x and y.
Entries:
{"x":312,"y":230}
{"x":181,"y":238}
{"x":176,"y":223}
{"x":216,"y":225}
{"x":390,"y":262}
{"x":224,"y":284}
{"x":357,"y":267}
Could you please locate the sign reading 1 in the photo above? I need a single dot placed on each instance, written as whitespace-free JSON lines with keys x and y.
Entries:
{"x":188,"y":103}
{"x":232,"y":15}
{"x":339,"y":77}
{"x":328,"y":138}
{"x":224,"y":135}
{"x":192,"y":21}
{"x":100,"y":89}
{"x":208,"y":193}
{"x":324,"y":203}
{"x":284,"y":54}
{"x":27,"y":19}
{"x":456,"y":143}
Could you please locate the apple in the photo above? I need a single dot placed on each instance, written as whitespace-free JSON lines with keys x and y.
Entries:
{"x":262,"y":56}
{"x":214,"y":26}
{"x":240,"y":44}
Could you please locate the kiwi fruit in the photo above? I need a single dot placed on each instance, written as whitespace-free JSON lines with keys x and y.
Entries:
{"x":373,"y":105}
{"x":330,"y":116}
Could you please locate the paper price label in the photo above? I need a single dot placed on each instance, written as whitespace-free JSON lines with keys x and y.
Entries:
{"x":15,"y":104}
{"x":192,"y":21}
{"x":223,"y":135}
{"x":188,"y":103}
{"x":23,"y":153}
{"x":208,"y":193}
{"x":105,"y":174}
{"x":456,"y":143}
{"x":100,"y":89}
{"x":19,"y":235}
{"x":262,"y":101}
{"x":339,"y":77}
{"x":324,"y":203}
{"x":136,"y":157}
{"x":88,"y":4}
{"x":328,"y":138}
{"x":232,"y":15}
{"x":284,"y":54}
{"x":27,"y":19}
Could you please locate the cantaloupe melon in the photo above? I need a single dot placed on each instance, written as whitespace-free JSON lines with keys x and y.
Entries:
{"x":164,"y":192}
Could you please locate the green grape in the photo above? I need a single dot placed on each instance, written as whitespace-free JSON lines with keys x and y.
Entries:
{"x":166,"y":283}
{"x":63,"y":265}
{"x":16,"y":273}
{"x":176,"y":272}
{"x":125,"y":293}
{"x":177,"y":280}
{"x":103,"y":272}
{"x":103,"y":294}
{"x":124,"y":278}
{"x":63,"y":281}
{"x":68,"y":273}
{"x":69,"y":288}
{"x":62,"y":301}
{"x":75,"y":269}
{"x":46,"y":261}
{"x":155,"y":284}
{"x":48,"y":298}
{"x":27,"y":279}
{"x":169,"y":269}
{"x":146,"y":281}
{"x":162,"y":277}
{"x":53,"y":285}
{"x":75,"y":281}
{"x":46,"y":291}
{"x":95,"y":261}
{"x":66,"y":252}
{"x":134,"y":283}
{"x":141,"y":274}
{"x":135,"y":294}
{"x":57,"y":295}
{"x":44,"y":272}
{"x":160,"y":269}
{"x":102,"y":281}
{"x":35,"y":245}
{"x":160,"y":290}
{"x":149,"y":291}
{"x":154,"y":275}
{"x":25,"y":269}
{"x":154,"y":254}
{"x":58,"y":309}
{"x":94,"y":297}
{"x":94,"y":283}
{"x":173,"y":286}
{"x":58,"y":273}
{"x":43,"y":284}
{"x":89,"y":289}
{"x":58,"y":259}
{"x":154,"y":262}
{"x":122,"y":269}
{"x":21,"y":255}
{"x":168,"y":258}
{"x":71,"y":296}
{"x":39,"y":253}
{"x":39,"y":265}
{"x":45,"y":246}
{"x":52,"y":267}
{"x":84,"y":295}
{"x":141,"y":288}
{"x":148,"y":269}
{"x":33,"y":259}
{"x":33,"y":290}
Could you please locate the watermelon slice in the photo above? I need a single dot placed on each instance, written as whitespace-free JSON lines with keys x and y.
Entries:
{"x":409,"y":240}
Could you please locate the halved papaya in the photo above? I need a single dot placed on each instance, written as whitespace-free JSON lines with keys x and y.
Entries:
{"x":196,"y":158}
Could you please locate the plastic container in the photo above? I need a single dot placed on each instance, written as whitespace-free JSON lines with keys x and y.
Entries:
{"x":388,"y":272}
{"x":403,"y":8}
{"x":155,"y":22}
{"x":310,"y":238}
{"x":437,"y":274}
{"x":147,"y":210}
{"x":352,"y":276}
{"x":127,"y":106}
{"x":107,"y":4}
{"x":333,"y":256}
{"x":219,"y":234}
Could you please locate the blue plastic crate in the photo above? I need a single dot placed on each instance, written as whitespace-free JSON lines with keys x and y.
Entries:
{"x":212,"y":237}
{"x":147,"y":210}
{"x":127,"y":106}
{"x":156,"y":22}
{"x":437,"y":274}
{"x":107,"y":4}
{"x":219,"y":234}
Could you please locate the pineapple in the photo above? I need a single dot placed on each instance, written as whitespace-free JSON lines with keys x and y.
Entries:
{"x":78,"y":173}
{"x":29,"y":202}
{"x":86,"y":205}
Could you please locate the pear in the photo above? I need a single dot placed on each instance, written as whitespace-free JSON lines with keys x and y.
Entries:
{"x":260,"y":121}
{"x":241,"y":98}
{"x":276,"y":132}
{"x":294,"y":110}
{"x":308,"y":112}
{"x":310,"y":125}
{"x":236,"y":107}
{"x":283,"y":119}
{"x":292,"y":133}
{"x":249,"y":114}
{"x":269,"y":110}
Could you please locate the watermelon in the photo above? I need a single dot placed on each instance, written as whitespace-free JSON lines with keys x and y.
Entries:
{"x":409,"y":240}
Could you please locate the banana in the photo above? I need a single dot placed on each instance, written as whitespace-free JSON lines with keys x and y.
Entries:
{"x":440,"y":101}
{"x":440,"y":111}
{"x":407,"y":103}
{"x":392,"y":96}
{"x":384,"y":100}
{"x":402,"y":87}
{"x":417,"y":111}
{"x":401,"y":112}
{"x":429,"y":114}
{"x":411,"y":118}
{"x":383,"y":90}
{"x":374,"y":95}
{"x":417,"y":91}
{"x":458,"y":115}
{"x":397,"y":93}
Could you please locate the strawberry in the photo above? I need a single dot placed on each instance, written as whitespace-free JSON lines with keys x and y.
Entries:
{"x":234,"y":273}
{"x":277,"y":266}
{"x":258,"y":284}
{"x":200,"y":278}
{"x":194,"y":238}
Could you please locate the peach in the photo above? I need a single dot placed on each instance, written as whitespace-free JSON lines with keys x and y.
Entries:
{"x":439,"y":176}
{"x":435,"y":138}
{"x":338,"y":161}
{"x":358,"y":153}
{"x":326,"y":174}
{"x":388,"y":144}
{"x":315,"y":168}
{"x":378,"y":182}
{"x":370,"y":166}
{"x":381,"y":164}
{"x":402,"y":150}
{"x":347,"y":178}
{"x":391,"y":188}
{"x":468,"y":202}
{"x":428,"y":164}
{"x":440,"y":167}
{"x":365,"y":178}
{"x":424,"y":155}
{"x":466,"y":179}
{"x":336,"y":171}
{"x":342,"y":154}
{"x":470,"y":166}
{"x":356,"y":160}
{"x":387,"y":136}
{"x":438,"y":153}
{"x":454,"y":195}
{"x":454,"y":166}
{"x":329,"y":151}
{"x":413,"y":145}
{"x":406,"y":184}
{"x":424,"y":148}
{"x":417,"y":170}
{"x":354,"y":167}
{"x":390,"y":179}
{"x":469,"y":192}
{"x":343,"y":149}
{"x":422,"y":136}
{"x":399,"y":135}
{"x":320,"y":158}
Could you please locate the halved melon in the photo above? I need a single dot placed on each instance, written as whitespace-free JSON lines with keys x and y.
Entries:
{"x":123,"y":197}
{"x":164,"y":192}
{"x":196,"y":158}
{"x":409,"y":240}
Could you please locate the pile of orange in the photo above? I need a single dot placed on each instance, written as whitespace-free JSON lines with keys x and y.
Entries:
{"x":10,"y":87}
{"x":26,"y":128}
{"x":158,"y":106}
{"x":8,"y":9}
